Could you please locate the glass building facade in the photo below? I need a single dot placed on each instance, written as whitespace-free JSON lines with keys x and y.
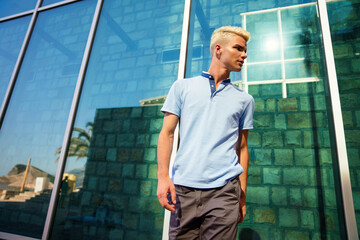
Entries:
{"x":82,"y":84}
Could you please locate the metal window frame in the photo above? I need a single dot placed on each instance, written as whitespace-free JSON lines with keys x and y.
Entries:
{"x":58,"y":4}
{"x":41,"y":8}
{"x":5,"y":235}
{"x":76,"y":98}
{"x":12,"y":81}
{"x":283,"y":81}
{"x":35,"y":12}
{"x":344,"y":173}
{"x":19,"y":60}
{"x":18,"y":15}
{"x":50,"y":218}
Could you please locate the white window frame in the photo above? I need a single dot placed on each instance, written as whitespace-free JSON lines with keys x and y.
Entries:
{"x":283,"y":81}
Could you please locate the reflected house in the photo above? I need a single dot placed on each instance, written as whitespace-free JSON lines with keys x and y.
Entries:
{"x":27,"y":206}
{"x":35,"y":179}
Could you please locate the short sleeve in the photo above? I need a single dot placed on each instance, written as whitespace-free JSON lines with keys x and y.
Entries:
{"x":246,"y":120}
{"x":173,"y":100}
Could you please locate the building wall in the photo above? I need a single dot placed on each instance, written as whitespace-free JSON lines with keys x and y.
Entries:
{"x":291,"y":190}
{"x":293,"y":183}
{"x":118,"y":199}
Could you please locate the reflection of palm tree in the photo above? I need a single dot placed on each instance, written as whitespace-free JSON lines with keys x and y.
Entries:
{"x":79,"y":145}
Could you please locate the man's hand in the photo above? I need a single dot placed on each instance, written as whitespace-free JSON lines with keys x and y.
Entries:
{"x":165,"y":186}
{"x":242,"y":208}
{"x":164,"y":149}
{"x":243,"y":154}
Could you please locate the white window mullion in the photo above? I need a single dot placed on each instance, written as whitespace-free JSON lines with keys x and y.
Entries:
{"x":283,"y":74}
{"x":244,"y":81}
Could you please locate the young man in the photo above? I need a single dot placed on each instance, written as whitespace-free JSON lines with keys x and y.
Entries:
{"x":207,"y":192}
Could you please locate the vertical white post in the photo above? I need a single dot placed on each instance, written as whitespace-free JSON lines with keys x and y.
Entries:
{"x":245,"y":80}
{"x":181,"y":74}
{"x":348,"y":204}
{"x":283,"y":75}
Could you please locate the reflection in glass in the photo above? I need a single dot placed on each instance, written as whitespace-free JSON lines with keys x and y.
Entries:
{"x":36,"y":117}
{"x":12,"y":35}
{"x":48,"y":2}
{"x":112,"y":158}
{"x":10,"y":7}
{"x":289,"y":37}
{"x":266,"y":46}
{"x":302,"y":69}
{"x":263,"y":72}
{"x":301,"y":32}
{"x":291,"y":185}
{"x":345,"y":29}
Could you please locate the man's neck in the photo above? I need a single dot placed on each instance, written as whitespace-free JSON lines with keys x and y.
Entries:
{"x":219,"y":74}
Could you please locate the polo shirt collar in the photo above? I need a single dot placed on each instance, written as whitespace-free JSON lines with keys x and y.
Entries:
{"x":210,"y":77}
{"x":213,"y":89}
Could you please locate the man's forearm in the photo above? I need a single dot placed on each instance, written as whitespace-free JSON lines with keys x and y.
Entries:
{"x":243,"y":158}
{"x":164,"y":150}
{"x":244,"y":162}
{"x":165,"y":145}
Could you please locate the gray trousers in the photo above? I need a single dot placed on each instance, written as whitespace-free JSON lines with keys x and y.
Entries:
{"x":206,"y":213}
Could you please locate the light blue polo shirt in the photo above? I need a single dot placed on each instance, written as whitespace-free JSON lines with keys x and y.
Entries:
{"x":209,"y":122}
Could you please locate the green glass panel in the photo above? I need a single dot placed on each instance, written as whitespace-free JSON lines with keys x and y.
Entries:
{"x":345,"y":35}
{"x":292,"y":189}
{"x":265,"y":46}
{"x":302,"y":69}
{"x":301,"y":32}
{"x":270,"y":71}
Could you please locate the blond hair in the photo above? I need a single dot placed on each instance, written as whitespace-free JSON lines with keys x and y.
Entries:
{"x":225,"y":33}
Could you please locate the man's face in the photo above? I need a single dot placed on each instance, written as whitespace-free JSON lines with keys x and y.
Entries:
{"x":233,"y":53}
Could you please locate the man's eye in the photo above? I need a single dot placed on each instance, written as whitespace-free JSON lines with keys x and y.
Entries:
{"x":240,"y":49}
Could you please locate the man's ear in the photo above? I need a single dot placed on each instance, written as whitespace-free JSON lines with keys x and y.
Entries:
{"x":218,"y":49}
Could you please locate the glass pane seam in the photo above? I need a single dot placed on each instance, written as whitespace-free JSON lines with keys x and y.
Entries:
{"x":58,"y":4}
{"x":66,"y":142}
{"x":18,"y":15}
{"x":338,"y":125}
{"x":5,"y":235}
{"x":19,"y":60}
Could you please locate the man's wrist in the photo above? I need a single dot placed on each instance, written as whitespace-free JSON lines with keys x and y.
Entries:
{"x":163,"y":175}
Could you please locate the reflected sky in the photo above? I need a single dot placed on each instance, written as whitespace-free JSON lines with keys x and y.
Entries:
{"x":10,"y":7}
{"x":36,"y":118}
{"x":12,"y":35}
{"x":134,"y":57}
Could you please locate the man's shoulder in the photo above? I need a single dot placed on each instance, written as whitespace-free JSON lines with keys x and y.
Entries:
{"x":190,"y":79}
{"x":182,"y":82}
{"x":242,"y":94}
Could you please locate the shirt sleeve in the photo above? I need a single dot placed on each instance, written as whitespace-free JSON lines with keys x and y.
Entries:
{"x":173,"y":100}
{"x":246,"y":120}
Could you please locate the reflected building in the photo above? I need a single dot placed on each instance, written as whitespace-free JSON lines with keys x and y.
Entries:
{"x":118,"y":196}
{"x":82,"y":84}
